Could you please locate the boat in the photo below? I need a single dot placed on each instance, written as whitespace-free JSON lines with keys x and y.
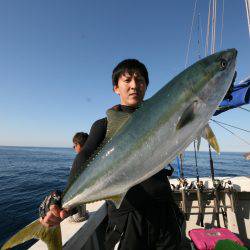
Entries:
{"x":234,"y":214}
{"x":206,"y":203}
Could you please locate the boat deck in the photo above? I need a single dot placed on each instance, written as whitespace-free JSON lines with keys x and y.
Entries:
{"x":86,"y":235}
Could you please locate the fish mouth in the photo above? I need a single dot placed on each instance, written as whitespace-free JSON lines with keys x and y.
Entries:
{"x":214,"y":91}
{"x":234,"y":52}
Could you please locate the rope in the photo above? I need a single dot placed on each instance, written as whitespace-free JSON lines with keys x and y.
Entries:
{"x":230,"y":125}
{"x":190,"y":34}
{"x":234,"y":134}
{"x":213,"y":27}
{"x":196,"y":165}
{"x":215,"y":20}
{"x":248,"y":14}
{"x":212,"y":32}
{"x":199,"y":31}
{"x":208,"y":28}
{"x":211,"y":162}
{"x":222,"y":23}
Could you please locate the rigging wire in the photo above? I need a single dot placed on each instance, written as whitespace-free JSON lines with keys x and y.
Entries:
{"x":208,"y":27}
{"x":214,"y":26}
{"x":199,"y":40}
{"x":244,"y":109}
{"x":190,"y":34}
{"x":196,"y":164}
{"x":234,"y":134}
{"x":216,"y":188}
{"x":222,"y":23}
{"x":198,"y":37}
{"x":247,"y":2}
{"x":201,"y":31}
{"x":231,"y":126}
{"x":211,"y":162}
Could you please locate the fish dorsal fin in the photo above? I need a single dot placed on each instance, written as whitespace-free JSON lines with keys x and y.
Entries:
{"x":208,"y":134}
{"x":116,"y":119}
{"x":187,"y":116}
{"x":117,"y":199}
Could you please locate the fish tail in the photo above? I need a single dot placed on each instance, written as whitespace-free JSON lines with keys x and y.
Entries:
{"x":51,"y":236}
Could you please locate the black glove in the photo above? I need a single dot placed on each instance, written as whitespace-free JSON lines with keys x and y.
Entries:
{"x":55,"y":198}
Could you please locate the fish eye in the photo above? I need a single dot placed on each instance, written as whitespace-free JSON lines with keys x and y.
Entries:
{"x":223,"y":64}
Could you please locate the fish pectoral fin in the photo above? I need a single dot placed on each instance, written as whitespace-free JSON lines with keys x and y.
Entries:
{"x":117,"y":199}
{"x":187,"y":116}
{"x":51,"y":236}
{"x":209,"y":135}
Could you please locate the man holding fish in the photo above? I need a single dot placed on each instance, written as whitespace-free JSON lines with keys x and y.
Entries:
{"x":125,"y":154}
{"x":147,"y":218}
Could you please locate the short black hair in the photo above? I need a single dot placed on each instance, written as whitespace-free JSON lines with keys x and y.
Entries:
{"x":80,"y":138}
{"x":131,"y":66}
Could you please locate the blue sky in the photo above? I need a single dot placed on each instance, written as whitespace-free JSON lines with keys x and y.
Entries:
{"x":56,"y":59}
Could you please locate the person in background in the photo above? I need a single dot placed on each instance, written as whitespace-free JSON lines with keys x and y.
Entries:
{"x":80,"y":213}
{"x":79,"y":140}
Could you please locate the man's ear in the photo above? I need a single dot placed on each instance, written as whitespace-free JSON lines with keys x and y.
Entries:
{"x":116,"y":90}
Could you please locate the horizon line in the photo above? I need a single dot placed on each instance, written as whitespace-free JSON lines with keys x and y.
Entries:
{"x":69,"y":147}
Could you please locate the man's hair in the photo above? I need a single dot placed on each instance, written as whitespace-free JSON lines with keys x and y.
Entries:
{"x":131,"y":66}
{"x":80,"y":138}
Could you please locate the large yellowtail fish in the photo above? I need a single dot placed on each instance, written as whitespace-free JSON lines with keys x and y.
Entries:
{"x":151,"y":137}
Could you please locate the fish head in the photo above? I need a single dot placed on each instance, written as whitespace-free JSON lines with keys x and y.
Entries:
{"x":203,"y":86}
{"x":215,"y":74}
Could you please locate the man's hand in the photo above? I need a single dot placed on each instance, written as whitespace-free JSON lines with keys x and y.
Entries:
{"x":54,"y":216}
{"x":50,"y":210}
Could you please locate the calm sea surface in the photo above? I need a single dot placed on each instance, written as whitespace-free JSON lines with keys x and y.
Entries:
{"x":28,"y":174}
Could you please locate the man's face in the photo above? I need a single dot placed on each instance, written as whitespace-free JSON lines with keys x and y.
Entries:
{"x":131,"y":88}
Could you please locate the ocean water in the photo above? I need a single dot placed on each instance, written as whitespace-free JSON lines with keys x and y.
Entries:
{"x":28,"y":174}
